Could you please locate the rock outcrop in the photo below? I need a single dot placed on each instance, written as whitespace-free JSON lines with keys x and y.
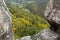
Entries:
{"x":46,"y":35}
{"x":52,"y":14}
{"x":5,"y":22}
{"x":26,"y":38}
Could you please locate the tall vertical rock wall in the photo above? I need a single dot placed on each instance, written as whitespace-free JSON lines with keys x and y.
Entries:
{"x":5,"y":22}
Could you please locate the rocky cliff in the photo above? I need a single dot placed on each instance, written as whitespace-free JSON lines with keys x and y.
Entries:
{"x":5,"y":22}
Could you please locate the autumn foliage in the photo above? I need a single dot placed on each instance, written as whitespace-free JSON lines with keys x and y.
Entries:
{"x":26,"y":23}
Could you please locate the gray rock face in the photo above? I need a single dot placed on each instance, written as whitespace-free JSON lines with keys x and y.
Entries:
{"x":52,"y":12}
{"x":5,"y":22}
{"x":48,"y":35}
{"x":26,"y":38}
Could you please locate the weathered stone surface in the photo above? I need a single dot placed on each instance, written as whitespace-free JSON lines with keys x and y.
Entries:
{"x":52,"y":14}
{"x":48,"y":35}
{"x":5,"y":22}
{"x":26,"y":38}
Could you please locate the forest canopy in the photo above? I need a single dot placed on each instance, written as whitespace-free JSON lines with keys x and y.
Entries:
{"x":27,"y":20}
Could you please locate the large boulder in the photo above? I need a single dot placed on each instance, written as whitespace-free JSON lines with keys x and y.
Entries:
{"x":48,"y":35}
{"x":25,"y":38}
{"x":52,"y":12}
{"x":52,"y":15}
{"x":5,"y":22}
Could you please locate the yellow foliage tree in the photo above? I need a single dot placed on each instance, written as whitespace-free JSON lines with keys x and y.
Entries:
{"x":25,"y":21}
